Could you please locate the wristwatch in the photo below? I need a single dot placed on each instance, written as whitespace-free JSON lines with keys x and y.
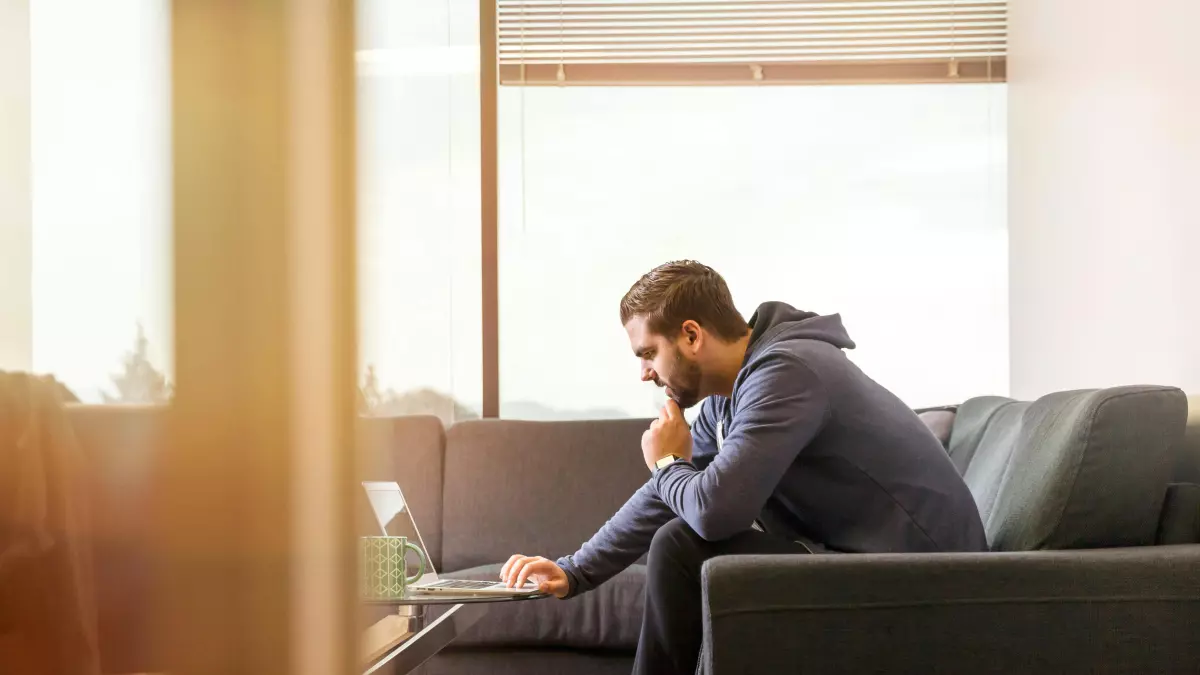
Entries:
{"x":663,"y":462}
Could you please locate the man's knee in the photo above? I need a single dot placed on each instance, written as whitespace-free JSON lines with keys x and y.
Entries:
{"x":673,"y":537}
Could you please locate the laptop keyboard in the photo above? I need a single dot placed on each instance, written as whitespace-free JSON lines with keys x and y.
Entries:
{"x":459,"y":584}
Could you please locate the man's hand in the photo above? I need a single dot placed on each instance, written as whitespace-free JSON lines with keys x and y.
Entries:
{"x":667,"y":435}
{"x":549,"y":577}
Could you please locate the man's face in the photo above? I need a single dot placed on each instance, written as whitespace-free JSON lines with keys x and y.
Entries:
{"x":664,"y":363}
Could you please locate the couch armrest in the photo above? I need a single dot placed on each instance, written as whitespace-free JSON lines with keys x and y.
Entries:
{"x":1109,"y":610}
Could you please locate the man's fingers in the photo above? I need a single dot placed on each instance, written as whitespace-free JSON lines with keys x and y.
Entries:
{"x":522,"y":574}
{"x":508,"y":565}
{"x":528,"y":569}
{"x":521,"y":567}
{"x":671,"y":409}
{"x":514,"y":569}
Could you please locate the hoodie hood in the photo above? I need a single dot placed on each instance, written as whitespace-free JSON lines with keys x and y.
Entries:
{"x":776,"y":321}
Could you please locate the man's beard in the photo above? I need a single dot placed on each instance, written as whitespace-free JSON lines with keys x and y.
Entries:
{"x":685,"y":381}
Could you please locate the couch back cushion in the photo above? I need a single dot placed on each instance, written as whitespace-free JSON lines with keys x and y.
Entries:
{"x":120,"y":445}
{"x":1187,"y":467}
{"x":411,"y":451}
{"x":538,"y":488}
{"x":1180,"y":520}
{"x":1076,"y":469}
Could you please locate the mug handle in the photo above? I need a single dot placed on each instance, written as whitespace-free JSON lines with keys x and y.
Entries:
{"x":421,"y":567}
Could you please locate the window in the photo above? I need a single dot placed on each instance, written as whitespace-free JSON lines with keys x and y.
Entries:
{"x":419,"y":252}
{"x":883,"y":203}
{"x":99,"y":198}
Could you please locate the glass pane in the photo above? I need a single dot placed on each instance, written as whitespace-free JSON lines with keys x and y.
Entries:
{"x":419,"y":251}
{"x":883,"y":203}
{"x":86,"y":297}
{"x":100,"y":197}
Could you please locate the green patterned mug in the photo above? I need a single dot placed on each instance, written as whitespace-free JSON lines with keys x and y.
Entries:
{"x":383,"y":570}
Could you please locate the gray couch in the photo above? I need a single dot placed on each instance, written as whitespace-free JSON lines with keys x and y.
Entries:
{"x":1087,"y":474}
{"x":522,"y":487}
{"x":1072,"y":491}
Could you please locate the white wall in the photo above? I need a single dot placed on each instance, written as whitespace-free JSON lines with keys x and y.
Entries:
{"x":1104,"y":178}
{"x":16,"y":219}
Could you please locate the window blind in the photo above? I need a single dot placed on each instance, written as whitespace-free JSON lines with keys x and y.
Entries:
{"x":595,"y":42}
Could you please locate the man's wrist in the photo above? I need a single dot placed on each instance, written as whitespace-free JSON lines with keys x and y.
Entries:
{"x":567,"y":565}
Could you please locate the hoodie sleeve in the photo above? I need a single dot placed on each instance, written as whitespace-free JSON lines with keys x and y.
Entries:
{"x":779,"y":409}
{"x":618,"y":544}
{"x":627,"y":535}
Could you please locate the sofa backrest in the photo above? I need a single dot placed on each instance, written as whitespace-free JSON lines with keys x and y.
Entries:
{"x":1077,"y":469}
{"x":120,"y":445}
{"x":1187,"y":468}
{"x":409,"y":450}
{"x":538,"y":488}
{"x":1180,"y":522}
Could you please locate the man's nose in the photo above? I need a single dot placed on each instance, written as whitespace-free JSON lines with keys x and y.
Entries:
{"x":648,"y":375}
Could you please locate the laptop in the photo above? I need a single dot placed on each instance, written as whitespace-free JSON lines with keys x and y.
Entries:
{"x":394,"y":517}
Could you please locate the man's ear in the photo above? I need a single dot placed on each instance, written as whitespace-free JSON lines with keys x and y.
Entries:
{"x":692,"y":333}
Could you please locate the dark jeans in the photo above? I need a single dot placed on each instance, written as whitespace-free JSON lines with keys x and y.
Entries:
{"x":672,"y":625}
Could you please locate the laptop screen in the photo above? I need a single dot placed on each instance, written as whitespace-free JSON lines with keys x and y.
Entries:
{"x":394,"y":518}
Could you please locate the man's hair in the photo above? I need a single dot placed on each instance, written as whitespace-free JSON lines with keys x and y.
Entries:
{"x":677,"y":291}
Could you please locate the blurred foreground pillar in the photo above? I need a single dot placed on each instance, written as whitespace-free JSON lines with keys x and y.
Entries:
{"x":254,"y":544}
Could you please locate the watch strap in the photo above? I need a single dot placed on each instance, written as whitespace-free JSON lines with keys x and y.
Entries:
{"x":663,"y":462}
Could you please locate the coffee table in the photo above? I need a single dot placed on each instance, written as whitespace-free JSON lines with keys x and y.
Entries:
{"x":400,"y":642}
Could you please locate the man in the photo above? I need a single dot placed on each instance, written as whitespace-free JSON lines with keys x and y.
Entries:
{"x":795,"y":450}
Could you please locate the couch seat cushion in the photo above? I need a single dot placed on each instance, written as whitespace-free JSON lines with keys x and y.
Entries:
{"x":609,"y":617}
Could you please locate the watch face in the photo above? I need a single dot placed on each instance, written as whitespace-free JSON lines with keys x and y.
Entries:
{"x":665,"y":461}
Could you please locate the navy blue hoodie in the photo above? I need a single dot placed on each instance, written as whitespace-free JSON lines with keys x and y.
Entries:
{"x":808,"y":446}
